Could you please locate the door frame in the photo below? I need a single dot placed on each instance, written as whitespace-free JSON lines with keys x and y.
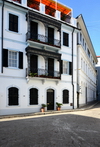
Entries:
{"x":54,"y":96}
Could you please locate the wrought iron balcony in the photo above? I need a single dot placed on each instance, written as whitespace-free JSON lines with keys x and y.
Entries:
{"x":42,"y":39}
{"x":43,"y":73}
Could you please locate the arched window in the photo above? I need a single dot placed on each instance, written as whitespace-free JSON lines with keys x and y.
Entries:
{"x":13,"y":96}
{"x":65,"y":96}
{"x":33,"y":96}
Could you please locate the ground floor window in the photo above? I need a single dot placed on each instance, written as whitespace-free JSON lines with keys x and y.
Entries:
{"x":33,"y":96}
{"x":65,"y":96}
{"x":13,"y":96}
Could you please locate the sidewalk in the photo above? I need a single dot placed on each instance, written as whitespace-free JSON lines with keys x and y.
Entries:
{"x":86,"y":107}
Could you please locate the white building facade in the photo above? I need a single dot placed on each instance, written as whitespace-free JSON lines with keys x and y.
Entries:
{"x":40,"y":59}
{"x":98,"y":78}
{"x":86,"y":80}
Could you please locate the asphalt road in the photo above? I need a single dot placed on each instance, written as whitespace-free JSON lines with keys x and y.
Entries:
{"x":73,"y":129}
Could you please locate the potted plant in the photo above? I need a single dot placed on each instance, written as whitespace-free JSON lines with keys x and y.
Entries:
{"x":58,"y":106}
{"x":43,"y":107}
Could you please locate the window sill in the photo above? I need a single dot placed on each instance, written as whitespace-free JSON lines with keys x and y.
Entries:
{"x":13,"y":106}
{"x":33,"y":105}
{"x":66,"y":74}
{"x":13,"y":32}
{"x":13,"y":68}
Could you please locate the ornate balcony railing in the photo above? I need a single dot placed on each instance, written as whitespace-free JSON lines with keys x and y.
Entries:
{"x":42,"y":39}
{"x":43,"y":73}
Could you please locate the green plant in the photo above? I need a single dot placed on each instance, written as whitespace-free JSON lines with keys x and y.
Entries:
{"x":58,"y":104}
{"x":33,"y":74}
{"x":63,"y":17}
{"x":44,"y":105}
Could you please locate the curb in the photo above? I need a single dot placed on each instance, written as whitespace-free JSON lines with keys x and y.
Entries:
{"x":48,"y":112}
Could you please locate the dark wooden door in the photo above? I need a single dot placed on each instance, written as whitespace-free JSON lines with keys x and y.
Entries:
{"x":33,"y":64}
{"x":50,"y":67}
{"x":50,"y":99}
{"x":34,"y":30}
{"x":51,"y":35}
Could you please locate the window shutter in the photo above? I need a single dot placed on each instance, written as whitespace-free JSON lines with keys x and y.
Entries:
{"x":5,"y":58}
{"x":61,"y":66}
{"x":70,"y":68}
{"x":21,"y":60}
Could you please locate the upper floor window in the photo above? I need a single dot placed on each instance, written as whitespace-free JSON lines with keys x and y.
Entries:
{"x":83,"y":41}
{"x":88,"y":52}
{"x":65,"y":39}
{"x":13,"y":22}
{"x":80,"y":37}
{"x":85,"y":46}
{"x":12,"y":59}
{"x":66,"y":67}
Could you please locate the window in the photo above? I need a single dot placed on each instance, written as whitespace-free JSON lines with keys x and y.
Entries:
{"x":65,"y":96}
{"x":85,"y":46}
{"x":83,"y":41}
{"x":12,"y":59}
{"x":13,"y":22}
{"x":88,"y":53}
{"x":80,"y":37}
{"x":65,"y":67}
{"x":33,"y":96}
{"x":65,"y":39}
{"x":13,"y":96}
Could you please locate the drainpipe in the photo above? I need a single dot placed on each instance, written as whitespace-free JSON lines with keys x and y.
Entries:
{"x":72,"y":68}
{"x":2,"y":36}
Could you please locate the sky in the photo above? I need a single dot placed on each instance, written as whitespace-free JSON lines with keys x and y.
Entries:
{"x":90,"y":10}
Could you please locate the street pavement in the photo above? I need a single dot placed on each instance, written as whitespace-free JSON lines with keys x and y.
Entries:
{"x":70,"y":129}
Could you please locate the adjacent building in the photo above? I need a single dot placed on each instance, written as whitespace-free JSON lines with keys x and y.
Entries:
{"x":46,"y":57}
{"x":86,"y":61}
{"x":98,"y":78}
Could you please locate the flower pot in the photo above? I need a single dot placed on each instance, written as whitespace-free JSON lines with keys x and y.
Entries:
{"x":42,"y":109}
{"x":58,"y":108}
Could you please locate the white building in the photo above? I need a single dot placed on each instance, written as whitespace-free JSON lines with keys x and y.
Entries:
{"x":40,"y":59}
{"x":98,"y":78}
{"x":86,"y":77}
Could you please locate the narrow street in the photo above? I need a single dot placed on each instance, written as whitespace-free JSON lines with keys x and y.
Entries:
{"x":73,"y":129}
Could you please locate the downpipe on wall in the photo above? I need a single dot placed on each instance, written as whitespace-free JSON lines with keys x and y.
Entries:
{"x":2,"y":34}
{"x":72,"y":67}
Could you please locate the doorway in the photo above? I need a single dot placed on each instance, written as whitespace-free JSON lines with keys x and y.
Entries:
{"x":50,"y":99}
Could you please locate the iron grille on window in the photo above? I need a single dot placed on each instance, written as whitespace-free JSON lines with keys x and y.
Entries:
{"x":65,"y":96}
{"x":12,"y":96}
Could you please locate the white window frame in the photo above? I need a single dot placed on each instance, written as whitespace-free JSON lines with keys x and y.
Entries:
{"x":12,"y":59}
{"x":18,"y":23}
{"x":65,"y":67}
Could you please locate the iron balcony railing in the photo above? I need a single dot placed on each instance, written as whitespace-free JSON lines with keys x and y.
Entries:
{"x":41,"y":38}
{"x":43,"y":73}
